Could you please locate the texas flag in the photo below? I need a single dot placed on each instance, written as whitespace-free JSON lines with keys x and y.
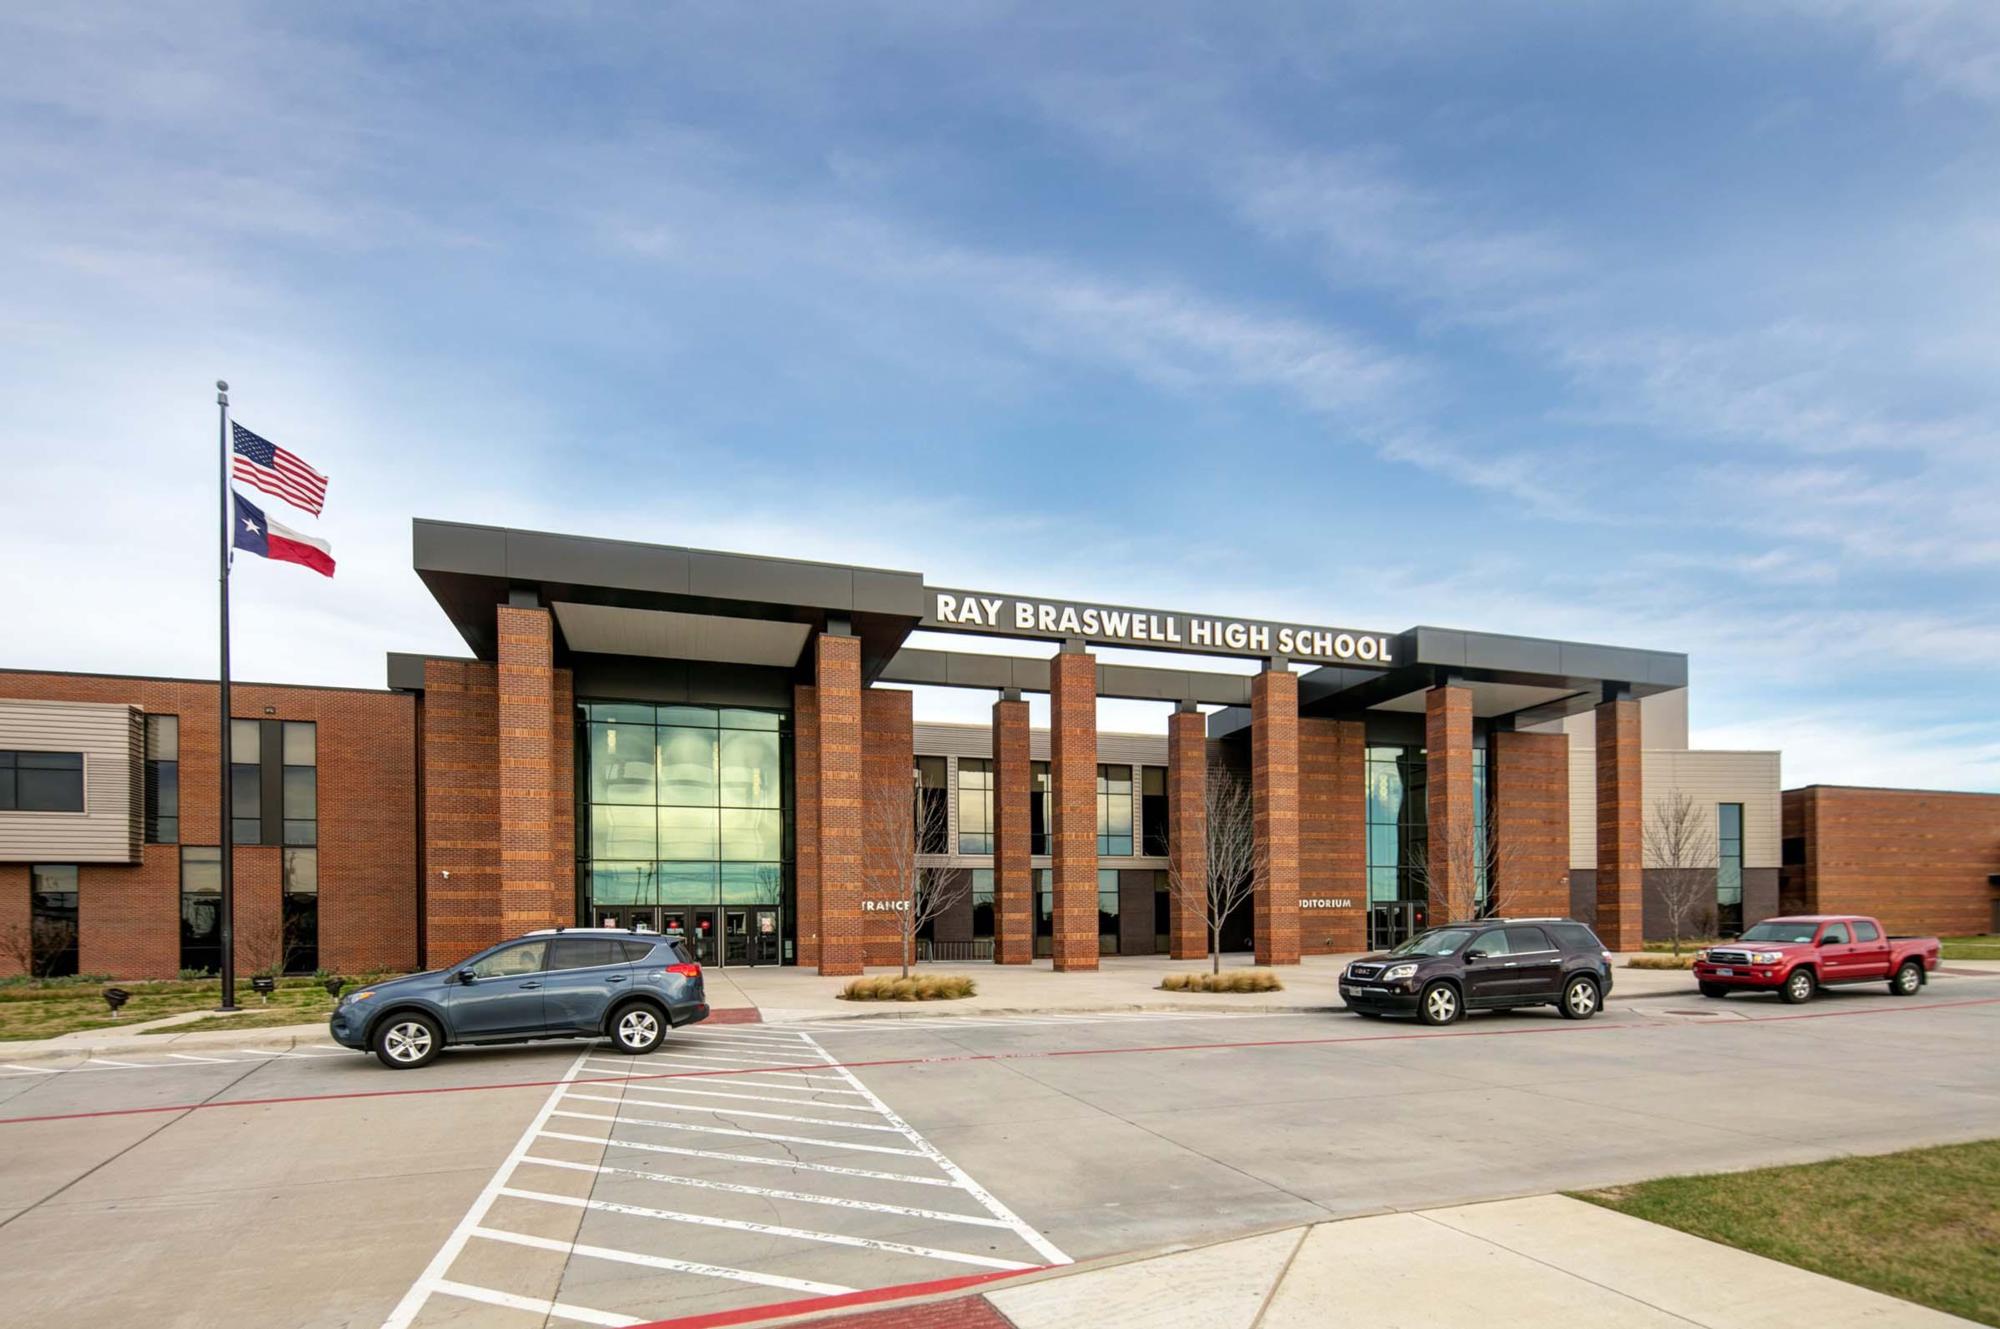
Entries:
{"x":257,"y":534}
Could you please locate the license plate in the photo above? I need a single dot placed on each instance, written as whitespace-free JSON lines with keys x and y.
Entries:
{"x":1348,"y":989}
{"x":1726,"y":973}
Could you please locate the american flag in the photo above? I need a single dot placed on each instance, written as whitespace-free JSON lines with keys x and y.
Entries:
{"x":266,"y":466}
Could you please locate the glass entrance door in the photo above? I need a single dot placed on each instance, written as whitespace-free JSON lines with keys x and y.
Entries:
{"x":1393,"y":924}
{"x":703,"y":932}
{"x":644,"y":918}
{"x":765,"y":946}
{"x":735,"y":936}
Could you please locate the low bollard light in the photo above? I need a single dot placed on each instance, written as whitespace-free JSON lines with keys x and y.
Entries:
{"x":264,"y":985}
{"x":114,"y":998}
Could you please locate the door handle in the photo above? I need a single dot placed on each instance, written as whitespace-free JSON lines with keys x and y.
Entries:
{"x":1511,"y":964}
{"x":526,"y":986}
{"x":614,"y":978}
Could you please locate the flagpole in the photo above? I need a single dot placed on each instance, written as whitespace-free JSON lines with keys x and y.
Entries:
{"x":228,"y":836}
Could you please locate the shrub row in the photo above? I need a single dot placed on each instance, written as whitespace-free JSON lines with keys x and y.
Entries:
{"x":1237,"y":980}
{"x":917,"y":987}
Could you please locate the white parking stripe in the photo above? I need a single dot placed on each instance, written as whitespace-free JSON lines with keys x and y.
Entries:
{"x":120,"y":1065}
{"x":514,"y":1301}
{"x":646,"y":1087}
{"x":739,"y":1062}
{"x":186,"y":1056}
{"x":31,"y":1070}
{"x":662,"y":1262}
{"x":766,"y":1229}
{"x":741,"y":1112}
{"x":770,"y":1073}
{"x":744,"y":1135}
{"x":703,"y":1036}
{"x":740,"y":1188}
{"x":635,"y":1077}
{"x":831,"y":1169}
{"x":1046,"y":1248}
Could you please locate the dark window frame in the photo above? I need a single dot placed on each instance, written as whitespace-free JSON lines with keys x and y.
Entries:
{"x":44,"y":764}
{"x":162,"y":781}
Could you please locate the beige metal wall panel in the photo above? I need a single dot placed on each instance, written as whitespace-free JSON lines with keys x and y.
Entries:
{"x":112,"y":741}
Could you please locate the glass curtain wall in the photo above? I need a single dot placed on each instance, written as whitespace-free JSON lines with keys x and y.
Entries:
{"x":1114,"y":810}
{"x":52,"y":929}
{"x":683,"y":805}
{"x":975,"y":805}
{"x":1729,"y":868}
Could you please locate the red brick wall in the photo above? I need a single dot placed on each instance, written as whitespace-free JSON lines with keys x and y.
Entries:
{"x":837,"y":673}
{"x":461,"y":808}
{"x":805,"y":820}
{"x":1187,"y":833}
{"x":1917,"y":859}
{"x":527,"y":768}
{"x":1333,"y":831}
{"x":1452,"y":850}
{"x":129,"y":916}
{"x":1073,"y":803}
{"x":1013,"y":884}
{"x":887,"y":761}
{"x":1274,"y":793}
{"x":1530,"y":775}
{"x":1620,"y":813}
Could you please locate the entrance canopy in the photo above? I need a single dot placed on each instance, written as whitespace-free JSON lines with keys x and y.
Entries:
{"x":621,"y":603}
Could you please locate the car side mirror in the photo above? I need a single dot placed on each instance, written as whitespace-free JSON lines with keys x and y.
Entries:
{"x":1474,"y":955}
{"x":466,"y":975}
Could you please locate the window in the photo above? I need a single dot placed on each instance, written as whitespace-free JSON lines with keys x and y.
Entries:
{"x":585,"y":952}
{"x":163,"y":779}
{"x":982,"y":903}
{"x":1835,"y":935}
{"x":1038,"y":807}
{"x":41,"y":782}
{"x":1866,"y":932}
{"x":298,"y":745}
{"x":1107,"y":911}
{"x":975,"y":805}
{"x":1398,"y":823}
{"x":1575,"y":937}
{"x":933,"y":813}
{"x":514,"y":962}
{"x":201,"y":908}
{"x":1114,"y":810}
{"x":1045,"y":911}
{"x":1496,"y":942}
{"x":681,"y":805}
{"x":1483,"y":856}
{"x":1153,"y":810}
{"x":52,"y":921}
{"x":301,"y":910}
{"x":1793,"y":851}
{"x":1729,"y":868}
{"x":1525,"y":941}
{"x":246,"y":782}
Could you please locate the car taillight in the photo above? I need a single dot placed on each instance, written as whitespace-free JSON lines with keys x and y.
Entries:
{"x":685,"y":970}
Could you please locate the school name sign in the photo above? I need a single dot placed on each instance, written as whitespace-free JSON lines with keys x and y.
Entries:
{"x":1153,"y":629}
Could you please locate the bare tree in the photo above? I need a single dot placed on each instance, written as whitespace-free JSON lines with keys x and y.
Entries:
{"x":924,"y":887}
{"x":1235,"y":857}
{"x":1465,"y":882}
{"x":17,"y":944}
{"x":1679,"y":841}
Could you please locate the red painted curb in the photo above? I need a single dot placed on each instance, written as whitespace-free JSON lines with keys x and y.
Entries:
{"x":840,"y":1301}
{"x":734,"y":1015}
{"x":1560,"y":1027}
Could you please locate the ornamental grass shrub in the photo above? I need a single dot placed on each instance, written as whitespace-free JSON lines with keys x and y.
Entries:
{"x":917,"y":987}
{"x":1651,"y":960}
{"x":1236,"y":980}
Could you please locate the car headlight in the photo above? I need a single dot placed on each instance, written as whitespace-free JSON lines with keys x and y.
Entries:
{"x":1767,"y":957}
{"x":356,"y":996}
{"x":1701,"y":954}
{"x":1396,"y":971}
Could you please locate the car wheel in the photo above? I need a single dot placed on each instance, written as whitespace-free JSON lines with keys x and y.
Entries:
{"x":1716,"y":990}
{"x":1439,"y":1004}
{"x":1799,"y":988}
{"x":1908,"y":979}
{"x":405,"y":1042}
{"x":1580,"y":999}
{"x":637,"y":1029}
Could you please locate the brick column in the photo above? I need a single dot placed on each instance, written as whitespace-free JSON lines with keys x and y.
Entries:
{"x":1073,"y":799}
{"x":837,"y":674}
{"x":805,"y":823}
{"x":1333,"y":836}
{"x":1530,"y":774}
{"x":1452,"y":850}
{"x":1013,"y":882}
{"x":527,"y":769}
{"x":1620,"y":860}
{"x":1187,"y":831}
{"x":889,"y":821}
{"x":461,"y":806}
{"x":1274,"y":796}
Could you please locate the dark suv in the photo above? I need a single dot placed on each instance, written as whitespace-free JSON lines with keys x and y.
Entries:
{"x":1491,"y":964}
{"x":628,"y":986}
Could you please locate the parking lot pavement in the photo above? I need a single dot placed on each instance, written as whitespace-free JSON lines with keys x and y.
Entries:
{"x":748,"y":1165}
{"x":755,"y":1169}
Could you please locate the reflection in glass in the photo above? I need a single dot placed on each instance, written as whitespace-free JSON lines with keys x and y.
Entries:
{"x":621,"y":763}
{"x":688,"y":833}
{"x":623,"y":832}
{"x":687,"y":767}
{"x":750,"y":776}
{"x":749,"y":835}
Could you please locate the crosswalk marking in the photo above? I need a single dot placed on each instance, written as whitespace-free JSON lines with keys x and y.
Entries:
{"x":663,"y":1262}
{"x":745,"y":1135}
{"x":767,"y":1192}
{"x":831,"y":1169}
{"x":657,"y":1105}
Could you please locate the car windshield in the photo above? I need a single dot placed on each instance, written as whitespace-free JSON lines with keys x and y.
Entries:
{"x":1444,"y":941}
{"x":1796,"y":934}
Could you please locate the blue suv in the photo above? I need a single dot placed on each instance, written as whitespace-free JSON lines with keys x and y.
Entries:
{"x":630,"y":987}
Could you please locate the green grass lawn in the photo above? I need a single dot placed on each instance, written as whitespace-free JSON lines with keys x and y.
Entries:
{"x":1972,"y":948}
{"x":1923,"y":1225}
{"x":43,"y":1010}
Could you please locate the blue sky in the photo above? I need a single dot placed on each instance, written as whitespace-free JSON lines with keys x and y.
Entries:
{"x":1671,"y":326}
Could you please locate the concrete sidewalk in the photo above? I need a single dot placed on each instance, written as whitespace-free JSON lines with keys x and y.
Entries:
{"x":1509,"y":1264}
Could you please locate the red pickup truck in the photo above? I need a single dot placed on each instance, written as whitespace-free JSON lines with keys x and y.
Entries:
{"x":1796,"y":957}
